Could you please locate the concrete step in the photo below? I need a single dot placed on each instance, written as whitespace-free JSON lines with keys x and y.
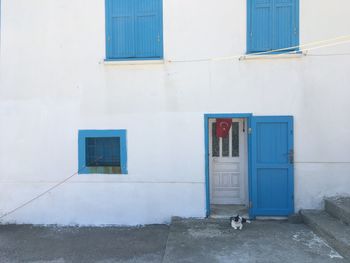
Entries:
{"x":339,"y":207}
{"x":227,"y":211}
{"x":335,"y":232}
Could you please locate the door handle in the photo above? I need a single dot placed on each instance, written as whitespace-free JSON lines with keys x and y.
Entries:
{"x":291,"y":156}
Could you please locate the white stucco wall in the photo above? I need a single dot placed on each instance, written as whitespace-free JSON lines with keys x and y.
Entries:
{"x":53,"y":83}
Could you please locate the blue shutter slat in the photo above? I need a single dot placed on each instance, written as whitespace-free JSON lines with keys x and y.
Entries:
{"x":284,"y":25}
{"x":261,"y":25}
{"x":148,"y":28}
{"x":120,"y":35}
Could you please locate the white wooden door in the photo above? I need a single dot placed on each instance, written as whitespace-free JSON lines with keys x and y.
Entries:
{"x":227,"y":164}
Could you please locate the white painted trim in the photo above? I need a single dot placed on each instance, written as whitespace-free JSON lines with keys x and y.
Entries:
{"x":132,"y":62}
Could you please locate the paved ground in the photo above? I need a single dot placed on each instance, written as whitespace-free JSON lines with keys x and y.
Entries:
{"x":74,"y":244}
{"x":185,"y":241}
{"x":262,"y":241}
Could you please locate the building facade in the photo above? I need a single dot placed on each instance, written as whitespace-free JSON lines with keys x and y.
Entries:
{"x":146,"y":84}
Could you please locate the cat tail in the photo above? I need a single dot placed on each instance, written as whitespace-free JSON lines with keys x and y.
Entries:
{"x":244,"y":220}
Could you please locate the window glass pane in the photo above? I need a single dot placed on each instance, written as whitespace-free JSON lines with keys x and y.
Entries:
{"x":235,"y":139}
{"x":103,"y":151}
{"x":226,"y":146}
{"x":215,"y":142}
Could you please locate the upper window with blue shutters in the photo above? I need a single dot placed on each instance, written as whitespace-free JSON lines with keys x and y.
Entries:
{"x":134,"y":29}
{"x":273,"y":25}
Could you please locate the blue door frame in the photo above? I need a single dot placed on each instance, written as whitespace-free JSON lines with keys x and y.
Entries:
{"x":253,"y":143}
{"x":248,"y":117}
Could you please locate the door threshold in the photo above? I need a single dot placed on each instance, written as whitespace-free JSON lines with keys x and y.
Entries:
{"x":276,"y":218}
{"x":227,"y":211}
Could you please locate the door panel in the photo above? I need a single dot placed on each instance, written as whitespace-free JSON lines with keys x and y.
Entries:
{"x":272,"y":168}
{"x":227,"y":165}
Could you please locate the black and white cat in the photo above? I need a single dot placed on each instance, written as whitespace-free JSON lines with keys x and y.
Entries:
{"x":238,"y":221}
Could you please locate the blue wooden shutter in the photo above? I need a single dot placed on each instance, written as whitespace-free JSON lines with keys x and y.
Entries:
{"x":120,"y":29}
{"x":148,"y":28}
{"x":285,"y":24}
{"x":260,"y":25}
{"x":272,"y":24}
{"x":134,"y":29}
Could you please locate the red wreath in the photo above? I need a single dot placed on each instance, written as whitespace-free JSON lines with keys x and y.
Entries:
{"x":223,"y":127}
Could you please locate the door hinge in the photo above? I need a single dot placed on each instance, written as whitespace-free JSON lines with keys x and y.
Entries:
{"x":250,"y":130}
{"x":250,"y":204}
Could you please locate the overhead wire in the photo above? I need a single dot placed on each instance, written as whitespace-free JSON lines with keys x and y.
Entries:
{"x":277,"y":52}
{"x":328,"y":55}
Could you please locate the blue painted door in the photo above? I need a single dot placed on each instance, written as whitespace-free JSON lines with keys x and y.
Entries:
{"x":272,"y":183}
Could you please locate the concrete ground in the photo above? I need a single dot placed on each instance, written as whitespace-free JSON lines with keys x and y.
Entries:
{"x":262,"y":241}
{"x":184,"y":241}
{"x":25,"y":243}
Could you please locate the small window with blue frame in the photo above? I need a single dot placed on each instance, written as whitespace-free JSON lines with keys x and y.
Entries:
{"x":102,"y":152}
